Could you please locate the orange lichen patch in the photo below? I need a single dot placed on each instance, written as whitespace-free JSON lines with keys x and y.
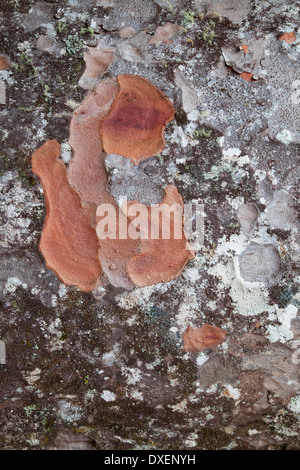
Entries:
{"x":129,"y":114}
{"x":87,"y":174}
{"x":86,"y":171}
{"x":116,"y":248}
{"x":164,"y":249}
{"x":134,"y":127}
{"x":247,"y":76}
{"x":4,"y":62}
{"x":207,"y":336}
{"x":97,"y":61}
{"x":244,"y":48}
{"x":164,"y":33}
{"x":68,"y":242}
{"x":288,"y":37}
{"x":115,"y":255}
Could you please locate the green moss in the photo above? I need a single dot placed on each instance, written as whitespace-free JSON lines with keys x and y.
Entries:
{"x":87,"y":31}
{"x":61,"y":27}
{"x":29,"y":410}
{"x":202,"y":132}
{"x":24,"y":64}
{"x":73,"y":45}
{"x":188,"y":18}
{"x":15,"y":4}
{"x":86,"y":379}
{"x":209,"y":34}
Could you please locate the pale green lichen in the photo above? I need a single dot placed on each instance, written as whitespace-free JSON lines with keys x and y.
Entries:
{"x":248,"y":298}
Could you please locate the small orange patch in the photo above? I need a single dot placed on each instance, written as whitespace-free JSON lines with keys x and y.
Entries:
{"x":247,"y":76}
{"x":288,"y":37}
{"x":207,"y":336}
{"x":4,"y":64}
{"x":244,"y":48}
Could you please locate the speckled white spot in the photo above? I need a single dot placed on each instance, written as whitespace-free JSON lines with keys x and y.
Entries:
{"x":12,"y":284}
{"x":107,"y":395}
{"x":201,"y":359}
{"x":68,"y":411}
{"x":232,"y":392}
{"x":285,"y":136}
{"x":231,"y":154}
{"x":283,"y":332}
{"x":108,"y":358}
{"x":62,"y":291}
{"x":294,"y":404}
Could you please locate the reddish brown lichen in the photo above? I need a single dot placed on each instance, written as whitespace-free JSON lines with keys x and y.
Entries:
{"x":68,"y":242}
{"x":87,"y":174}
{"x":86,"y":171}
{"x":244,"y":48}
{"x":134,"y":127}
{"x":289,"y":37}
{"x":4,"y":62}
{"x":247,"y":76}
{"x":165,"y":250}
{"x":207,"y":336}
{"x":73,"y":241}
